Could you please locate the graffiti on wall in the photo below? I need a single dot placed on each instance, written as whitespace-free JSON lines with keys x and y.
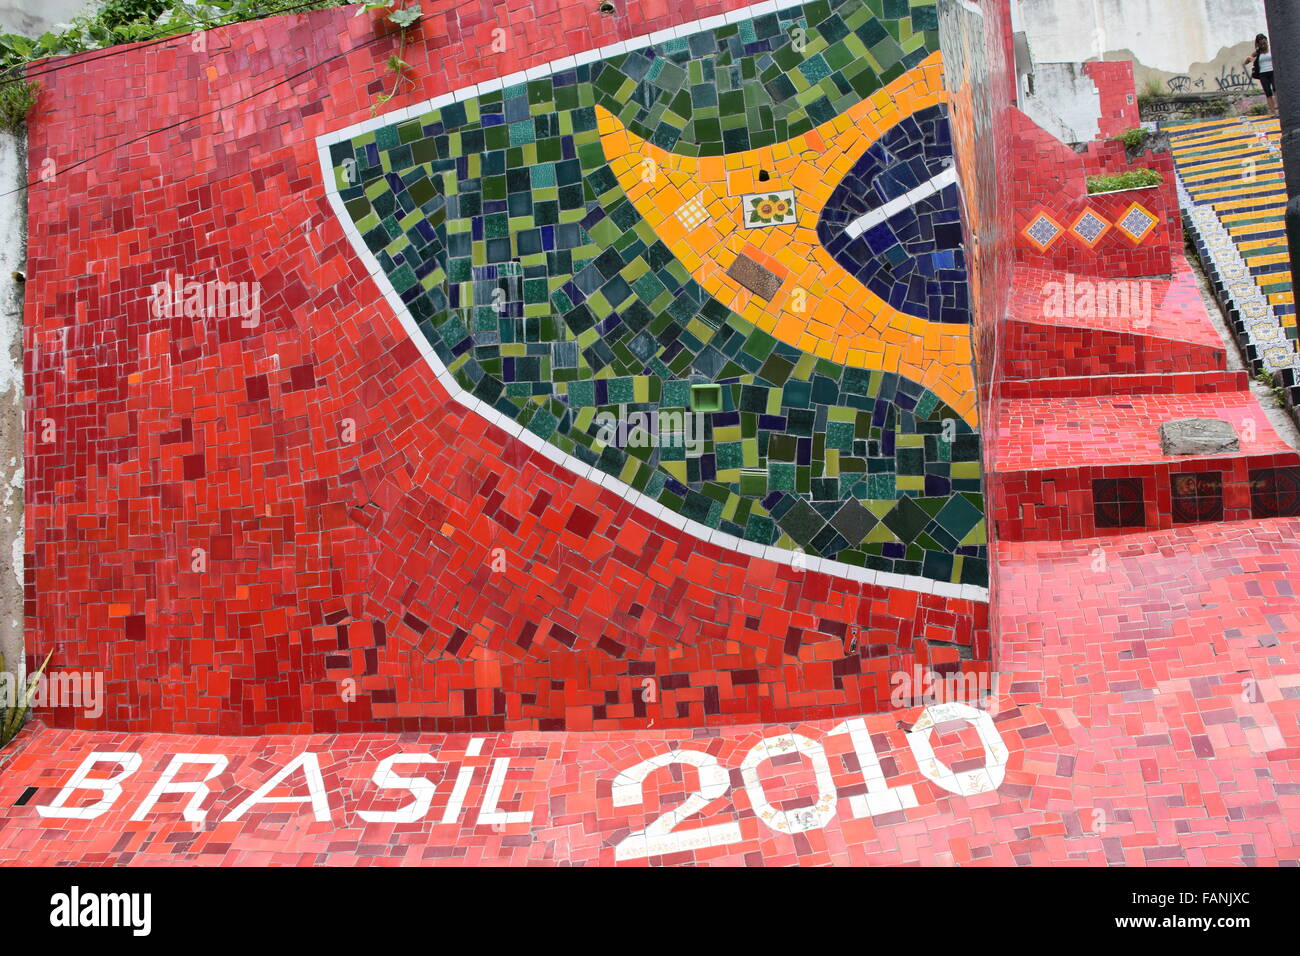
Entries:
{"x":1229,"y":79}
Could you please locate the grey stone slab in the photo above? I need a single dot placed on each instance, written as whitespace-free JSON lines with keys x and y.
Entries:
{"x":1198,"y":436}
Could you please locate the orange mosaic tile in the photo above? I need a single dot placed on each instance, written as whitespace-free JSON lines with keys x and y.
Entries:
{"x":819,"y":307}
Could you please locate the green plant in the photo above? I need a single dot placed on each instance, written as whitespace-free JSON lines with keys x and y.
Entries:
{"x":403,"y":17}
{"x":1259,"y":109}
{"x":1212,"y":107}
{"x":1150,"y":93}
{"x":1269,"y":382}
{"x":14,"y":714}
{"x":1133,"y":179}
{"x":17,"y":97}
{"x":1131,"y":138}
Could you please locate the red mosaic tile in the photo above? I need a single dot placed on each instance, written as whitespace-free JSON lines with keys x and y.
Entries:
{"x":1162,"y":383}
{"x":1114,"y":429}
{"x":1062,"y":324}
{"x":1117,"y":95}
{"x":1142,"y":705}
{"x":289,"y":528}
{"x":1051,"y":178}
{"x":1147,"y":699}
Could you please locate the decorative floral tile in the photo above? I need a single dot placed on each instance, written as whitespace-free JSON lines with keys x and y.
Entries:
{"x":1089,"y":227}
{"x":1137,"y":222}
{"x":768,"y":209}
{"x":1042,"y":231}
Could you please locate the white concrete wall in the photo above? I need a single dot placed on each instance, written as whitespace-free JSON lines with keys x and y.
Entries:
{"x":1183,"y":45}
{"x":31,"y":18}
{"x":1065,"y":102}
{"x":13,"y":257}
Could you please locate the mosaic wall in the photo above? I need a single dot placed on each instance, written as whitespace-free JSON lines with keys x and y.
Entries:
{"x":979,"y":74}
{"x":724,"y":269}
{"x":982,"y":96}
{"x":348,"y":504}
{"x":1117,"y":95}
{"x":1061,"y":226}
{"x":355,"y":511}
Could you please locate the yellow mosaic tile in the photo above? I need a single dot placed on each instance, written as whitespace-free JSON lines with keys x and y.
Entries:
{"x":817,"y":306}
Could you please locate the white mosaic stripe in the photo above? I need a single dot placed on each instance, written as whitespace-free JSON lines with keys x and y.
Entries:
{"x":869,"y":220}
{"x":1267,"y":143}
{"x":408,"y":113}
{"x":884,"y":579}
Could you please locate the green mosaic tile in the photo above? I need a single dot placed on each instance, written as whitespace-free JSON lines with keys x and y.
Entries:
{"x":780,"y":476}
{"x":540,"y":287}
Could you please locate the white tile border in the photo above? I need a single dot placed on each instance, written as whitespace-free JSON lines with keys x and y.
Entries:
{"x":558,"y":65}
{"x":967,"y":592}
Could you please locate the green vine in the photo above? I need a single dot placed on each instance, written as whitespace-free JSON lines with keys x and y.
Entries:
{"x":130,"y":21}
{"x":403,"y":18}
{"x":1266,"y":379}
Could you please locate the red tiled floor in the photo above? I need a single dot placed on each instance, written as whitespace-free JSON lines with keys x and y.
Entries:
{"x":1118,"y":429}
{"x":1149,"y":703}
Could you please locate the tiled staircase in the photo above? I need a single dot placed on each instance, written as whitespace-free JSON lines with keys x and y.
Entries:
{"x":1078,"y":453}
{"x":1232,"y":191}
{"x":1142,"y":593}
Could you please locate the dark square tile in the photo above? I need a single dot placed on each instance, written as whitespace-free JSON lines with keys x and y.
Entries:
{"x":1118,"y":503}
{"x":907,"y":519}
{"x":854,"y":521}
{"x":1274,"y":492}
{"x":802,"y":522}
{"x":1197,"y":496}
